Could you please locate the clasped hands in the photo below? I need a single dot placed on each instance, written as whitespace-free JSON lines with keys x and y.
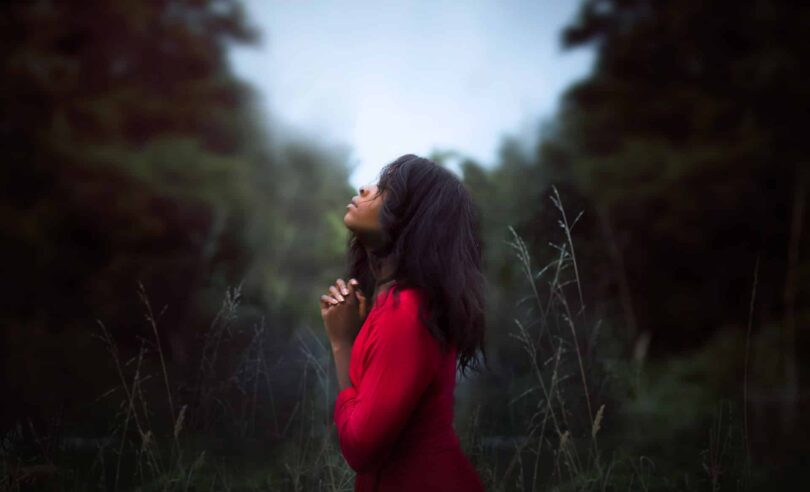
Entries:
{"x":343,"y":309}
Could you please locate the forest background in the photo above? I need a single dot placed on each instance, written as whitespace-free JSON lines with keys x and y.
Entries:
{"x":164,"y":251}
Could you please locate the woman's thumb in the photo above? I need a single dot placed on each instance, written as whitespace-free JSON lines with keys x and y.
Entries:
{"x":361,"y":298}
{"x":356,"y":286}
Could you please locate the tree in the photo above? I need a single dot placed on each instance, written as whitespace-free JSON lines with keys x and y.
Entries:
{"x":133,"y":154}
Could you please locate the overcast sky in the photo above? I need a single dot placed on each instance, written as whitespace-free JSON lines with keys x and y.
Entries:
{"x":388,"y":78}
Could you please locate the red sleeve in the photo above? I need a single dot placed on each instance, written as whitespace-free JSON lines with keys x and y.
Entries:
{"x":401,"y":358}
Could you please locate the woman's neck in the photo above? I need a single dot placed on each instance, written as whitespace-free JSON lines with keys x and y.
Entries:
{"x":382,"y":278}
{"x":380,"y":289}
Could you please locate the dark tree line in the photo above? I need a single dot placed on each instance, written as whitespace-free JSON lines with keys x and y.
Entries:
{"x":132,"y":155}
{"x":685,"y":150}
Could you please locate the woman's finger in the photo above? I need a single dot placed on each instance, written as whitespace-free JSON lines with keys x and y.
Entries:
{"x":351,"y":297}
{"x":327,"y":301}
{"x":342,"y":285}
{"x":337,"y":295}
{"x":355,"y":285}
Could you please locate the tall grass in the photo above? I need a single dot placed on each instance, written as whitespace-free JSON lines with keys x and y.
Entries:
{"x":563,"y":417}
{"x":560,"y":447}
{"x":167,"y":432}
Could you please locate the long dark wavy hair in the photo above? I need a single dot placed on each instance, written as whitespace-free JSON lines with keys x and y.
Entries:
{"x":431,"y":235}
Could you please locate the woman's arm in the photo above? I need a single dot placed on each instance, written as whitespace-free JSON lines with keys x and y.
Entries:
{"x":342,"y":353}
{"x":401,"y":360}
{"x":342,"y":319}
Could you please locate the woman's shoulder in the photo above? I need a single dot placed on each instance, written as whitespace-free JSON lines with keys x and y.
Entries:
{"x":400,"y":301}
{"x":399,"y":312}
{"x":399,"y":297}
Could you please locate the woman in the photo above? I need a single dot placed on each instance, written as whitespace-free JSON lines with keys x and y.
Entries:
{"x":415,"y":252}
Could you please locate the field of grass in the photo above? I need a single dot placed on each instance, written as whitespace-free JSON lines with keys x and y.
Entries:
{"x":576,"y":415}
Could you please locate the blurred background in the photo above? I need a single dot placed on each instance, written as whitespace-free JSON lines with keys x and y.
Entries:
{"x":175,"y":175}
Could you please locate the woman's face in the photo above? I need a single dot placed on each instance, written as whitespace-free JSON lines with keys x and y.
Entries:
{"x":363,"y":213}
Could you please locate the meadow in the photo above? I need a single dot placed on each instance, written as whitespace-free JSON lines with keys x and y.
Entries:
{"x":166,"y":234}
{"x":575,"y":416}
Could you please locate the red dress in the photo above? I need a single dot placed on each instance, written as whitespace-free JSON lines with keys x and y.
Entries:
{"x":395,"y":421}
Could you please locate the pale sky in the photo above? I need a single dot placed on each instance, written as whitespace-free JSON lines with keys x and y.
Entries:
{"x":389,"y":78}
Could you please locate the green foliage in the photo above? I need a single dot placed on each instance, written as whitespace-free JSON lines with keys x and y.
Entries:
{"x":135,"y":155}
{"x":685,"y":136}
{"x":683,"y":151}
{"x":132,"y":154}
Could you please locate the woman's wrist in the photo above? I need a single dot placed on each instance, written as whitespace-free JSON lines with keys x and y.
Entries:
{"x":342,"y":354}
{"x":341,"y":344}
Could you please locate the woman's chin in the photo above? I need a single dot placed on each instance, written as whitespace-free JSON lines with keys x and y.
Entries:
{"x":347,"y":221}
